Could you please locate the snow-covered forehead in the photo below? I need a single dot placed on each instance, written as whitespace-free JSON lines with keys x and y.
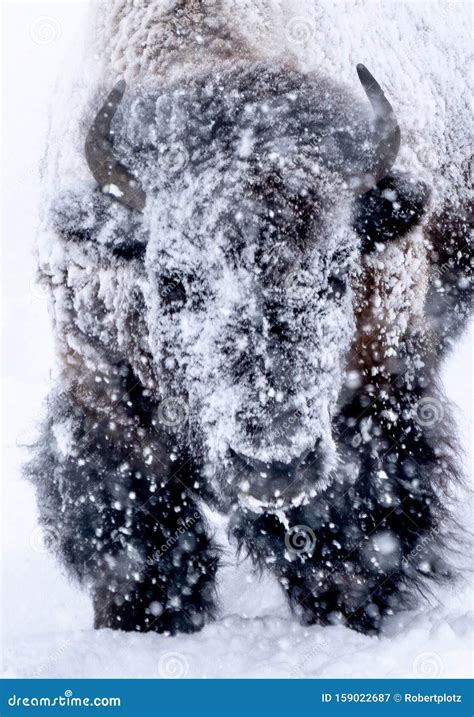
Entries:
{"x":249,"y":247}
{"x":267,"y":118}
{"x":254,"y":159}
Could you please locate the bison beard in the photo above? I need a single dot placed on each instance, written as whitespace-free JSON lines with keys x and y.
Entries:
{"x":120,"y":490}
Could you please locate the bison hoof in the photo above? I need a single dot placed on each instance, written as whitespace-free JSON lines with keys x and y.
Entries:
{"x":142,"y":616}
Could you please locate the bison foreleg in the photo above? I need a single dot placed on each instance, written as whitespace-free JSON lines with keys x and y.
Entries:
{"x":116,"y":511}
{"x":361,"y":549}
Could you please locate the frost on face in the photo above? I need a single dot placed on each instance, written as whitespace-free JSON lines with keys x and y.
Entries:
{"x":230,"y":293}
{"x":248,"y":259}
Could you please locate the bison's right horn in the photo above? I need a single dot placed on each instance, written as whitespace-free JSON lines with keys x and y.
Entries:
{"x":386,"y":128}
{"x":112,"y":176}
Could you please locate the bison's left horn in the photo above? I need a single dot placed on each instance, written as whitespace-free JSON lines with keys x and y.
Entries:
{"x":112,"y":176}
{"x":386,"y":128}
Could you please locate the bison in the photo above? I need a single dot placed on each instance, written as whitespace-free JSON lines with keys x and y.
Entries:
{"x":250,"y":305}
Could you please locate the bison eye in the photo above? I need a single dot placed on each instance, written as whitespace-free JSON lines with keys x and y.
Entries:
{"x":337,"y":285}
{"x":172,"y":290}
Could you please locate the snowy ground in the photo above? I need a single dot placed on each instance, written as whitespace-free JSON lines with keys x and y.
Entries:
{"x":46,"y":622}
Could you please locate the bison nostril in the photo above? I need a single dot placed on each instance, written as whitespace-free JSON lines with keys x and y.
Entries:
{"x":274,"y":469}
{"x":280,"y":331}
{"x":253,"y":463}
{"x":304,"y":457}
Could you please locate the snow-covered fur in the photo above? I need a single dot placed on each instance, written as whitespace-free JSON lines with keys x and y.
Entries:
{"x":257,"y":339}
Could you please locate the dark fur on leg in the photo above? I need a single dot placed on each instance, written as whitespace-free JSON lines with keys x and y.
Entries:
{"x":366,"y":545}
{"x":120,"y":516}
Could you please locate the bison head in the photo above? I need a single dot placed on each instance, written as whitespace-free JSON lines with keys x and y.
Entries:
{"x":247,"y":199}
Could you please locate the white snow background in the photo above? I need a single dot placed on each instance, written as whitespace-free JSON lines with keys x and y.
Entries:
{"x":46,"y":621}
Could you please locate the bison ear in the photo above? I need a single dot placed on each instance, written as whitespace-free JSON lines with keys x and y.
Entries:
{"x":390,"y":210}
